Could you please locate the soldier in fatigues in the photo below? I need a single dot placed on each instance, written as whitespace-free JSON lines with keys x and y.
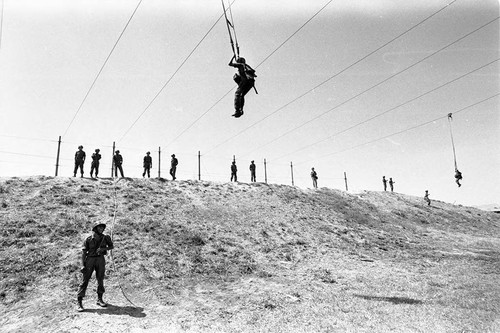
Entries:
{"x":252,"y":172}
{"x":391,"y":184}
{"x":314,"y":177}
{"x":79,"y":160}
{"x":385,"y":183}
{"x":95,"y":163}
{"x":173,"y":166}
{"x":426,"y":198}
{"x":94,"y":249}
{"x":148,"y":163}
{"x":234,"y":170}
{"x":118,"y":161}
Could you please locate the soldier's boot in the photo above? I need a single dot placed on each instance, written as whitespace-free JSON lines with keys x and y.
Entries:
{"x":80,"y":305}
{"x":100,"y":301}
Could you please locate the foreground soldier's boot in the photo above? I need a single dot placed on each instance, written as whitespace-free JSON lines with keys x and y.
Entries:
{"x":100,"y":302}
{"x":80,"y":305}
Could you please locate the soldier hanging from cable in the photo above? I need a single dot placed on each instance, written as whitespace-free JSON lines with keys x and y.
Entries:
{"x":245,"y":78}
{"x":458,"y":177}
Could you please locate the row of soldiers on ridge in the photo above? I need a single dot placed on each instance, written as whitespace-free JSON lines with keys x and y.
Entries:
{"x":80,"y":157}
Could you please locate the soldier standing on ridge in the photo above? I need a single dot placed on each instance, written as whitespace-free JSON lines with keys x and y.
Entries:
{"x":95,"y":163}
{"x":118,"y":161}
{"x":93,"y":251}
{"x":426,"y":198}
{"x":252,"y":172}
{"x":391,"y":184}
{"x":148,"y":163}
{"x":173,"y":166}
{"x":314,"y":177}
{"x":385,"y":183}
{"x":79,"y":160}
{"x":234,"y":170}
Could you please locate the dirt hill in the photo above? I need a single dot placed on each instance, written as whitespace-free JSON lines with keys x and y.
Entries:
{"x":232,"y":257}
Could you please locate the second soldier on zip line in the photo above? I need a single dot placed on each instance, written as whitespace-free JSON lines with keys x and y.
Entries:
{"x":245,"y":78}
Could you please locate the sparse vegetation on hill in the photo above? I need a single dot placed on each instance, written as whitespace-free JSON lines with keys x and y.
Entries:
{"x":231,"y":257}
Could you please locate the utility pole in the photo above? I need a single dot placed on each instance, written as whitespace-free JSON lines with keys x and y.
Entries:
{"x":345,"y":178}
{"x":159,"y":162}
{"x":265,"y":171}
{"x":58,"y":151}
{"x":291,"y":168}
{"x":113,"y":160}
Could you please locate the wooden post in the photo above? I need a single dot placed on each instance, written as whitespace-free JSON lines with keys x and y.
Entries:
{"x":113,"y":159}
{"x":58,"y":152}
{"x":291,"y":168}
{"x":345,"y":178}
{"x":265,"y":171}
{"x":159,"y":162}
{"x":199,"y":165}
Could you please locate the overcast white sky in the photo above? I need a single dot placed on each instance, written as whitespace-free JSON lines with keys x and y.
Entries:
{"x":326,"y":99}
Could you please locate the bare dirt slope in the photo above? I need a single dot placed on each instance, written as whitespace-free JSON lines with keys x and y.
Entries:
{"x":216,"y":257}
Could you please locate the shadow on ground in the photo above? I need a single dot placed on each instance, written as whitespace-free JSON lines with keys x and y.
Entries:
{"x":119,"y":310}
{"x":394,"y":300}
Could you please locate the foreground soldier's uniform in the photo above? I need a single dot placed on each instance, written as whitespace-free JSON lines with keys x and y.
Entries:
{"x":93,"y":251}
{"x":79,"y":160}
{"x":245,"y":78}
{"x":95,"y":163}
{"x":147,"y":163}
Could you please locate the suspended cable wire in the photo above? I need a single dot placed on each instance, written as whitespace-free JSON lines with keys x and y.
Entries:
{"x":102,"y":67}
{"x":334,"y":75}
{"x":170,"y":79}
{"x":265,"y":59}
{"x":391,"y":109}
{"x":452,"y":142}
{"x":376,"y":85}
{"x":407,"y":129}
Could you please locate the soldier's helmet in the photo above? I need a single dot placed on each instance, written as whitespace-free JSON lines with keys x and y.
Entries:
{"x":80,"y":147}
{"x":98,"y":224}
{"x":173,"y":155}
{"x":97,"y":150}
{"x":117,"y":152}
{"x":148,"y":153}
{"x":241,"y":60}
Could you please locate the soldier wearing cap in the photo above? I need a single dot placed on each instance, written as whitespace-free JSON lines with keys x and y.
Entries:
{"x":95,"y":163}
{"x":252,"y":171}
{"x":93,"y":251}
{"x":79,"y":160}
{"x":173,"y":166}
{"x":148,"y":163}
{"x":118,"y":161}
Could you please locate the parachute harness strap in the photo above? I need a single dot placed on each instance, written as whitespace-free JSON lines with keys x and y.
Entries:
{"x":452,"y":142}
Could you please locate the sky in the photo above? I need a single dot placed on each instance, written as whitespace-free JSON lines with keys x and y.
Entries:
{"x":357,"y":89}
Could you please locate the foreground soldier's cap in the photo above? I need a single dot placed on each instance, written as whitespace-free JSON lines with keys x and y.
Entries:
{"x":98,"y":224}
{"x":80,"y":147}
{"x":173,"y":155}
{"x":97,"y":150}
{"x":117,"y":152}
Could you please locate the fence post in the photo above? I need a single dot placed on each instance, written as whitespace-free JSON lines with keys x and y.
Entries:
{"x":159,"y":162}
{"x":345,"y":178}
{"x":265,"y":171}
{"x":113,"y":159}
{"x":58,"y":151}
{"x":199,"y":165}
{"x":291,"y":168}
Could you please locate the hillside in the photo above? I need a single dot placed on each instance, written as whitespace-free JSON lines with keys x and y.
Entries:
{"x":194,"y":256}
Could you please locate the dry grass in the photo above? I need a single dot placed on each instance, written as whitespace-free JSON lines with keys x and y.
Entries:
{"x":212,"y":257}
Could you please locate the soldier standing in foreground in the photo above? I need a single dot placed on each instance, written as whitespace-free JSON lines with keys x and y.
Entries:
{"x":118,"y":161}
{"x":173,"y":166}
{"x":391,"y":184}
{"x":314,"y":177}
{"x":79,"y":160}
{"x":93,"y":251}
{"x":385,"y":183}
{"x":234,"y":170}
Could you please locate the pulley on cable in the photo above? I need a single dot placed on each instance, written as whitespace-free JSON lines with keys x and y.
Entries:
{"x":245,"y":78}
{"x":458,"y":174}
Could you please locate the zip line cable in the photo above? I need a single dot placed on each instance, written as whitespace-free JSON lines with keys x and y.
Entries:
{"x":102,"y":67}
{"x":376,"y":85}
{"x":265,"y":59}
{"x":405,"y":130}
{"x":170,"y":79}
{"x":391,"y":109}
{"x":334,"y":75}
{"x":452,"y":142}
